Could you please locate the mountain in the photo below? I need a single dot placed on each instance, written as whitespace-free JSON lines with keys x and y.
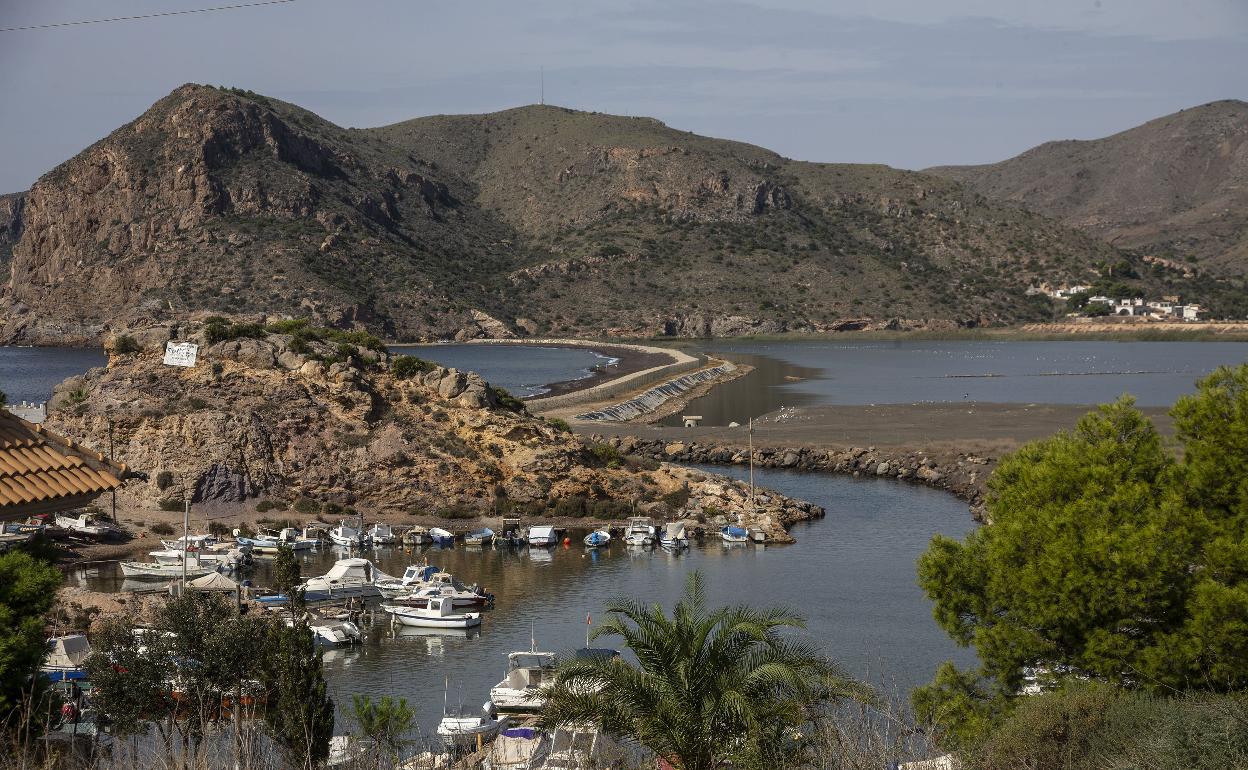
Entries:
{"x":1175,"y":187}
{"x":537,"y":220}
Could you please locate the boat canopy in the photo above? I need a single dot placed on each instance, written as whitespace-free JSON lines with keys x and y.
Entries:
{"x":596,"y":653}
{"x":213,"y":581}
{"x":345,"y":567}
{"x":531,"y":660}
{"x":67,"y":651}
{"x":735,"y":531}
{"x":542,"y":531}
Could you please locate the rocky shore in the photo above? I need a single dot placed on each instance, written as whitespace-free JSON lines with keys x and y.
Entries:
{"x":964,"y":475}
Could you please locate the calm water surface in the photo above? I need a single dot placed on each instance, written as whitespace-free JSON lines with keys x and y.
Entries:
{"x":851,"y":574}
{"x":29,"y":374}
{"x":524,"y":370}
{"x":907,"y":372}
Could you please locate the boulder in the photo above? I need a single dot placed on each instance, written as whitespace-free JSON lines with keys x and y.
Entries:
{"x":454,"y":383}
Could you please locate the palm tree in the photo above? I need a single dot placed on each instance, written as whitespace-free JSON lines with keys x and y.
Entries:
{"x":714,"y":685}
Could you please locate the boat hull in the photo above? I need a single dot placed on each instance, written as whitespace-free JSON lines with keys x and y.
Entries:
{"x":509,"y":699}
{"x":149,"y":570}
{"x":413,"y":620}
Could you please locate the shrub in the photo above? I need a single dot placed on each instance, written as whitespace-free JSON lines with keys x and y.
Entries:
{"x":675,"y":500}
{"x":217,"y":329}
{"x":606,"y":454}
{"x":307,"y":505}
{"x":457,"y":511}
{"x":170,"y":504}
{"x":405,"y":367}
{"x":506,"y":400}
{"x":559,"y":424}
{"x":160,"y":528}
{"x":270,"y":505}
{"x":331,"y":509}
{"x":164,"y":480}
{"x":125,"y":345}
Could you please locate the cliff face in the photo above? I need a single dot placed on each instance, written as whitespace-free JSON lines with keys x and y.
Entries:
{"x":538,"y":220}
{"x":1176,"y":186}
{"x":256,"y":419}
{"x":10,"y":227}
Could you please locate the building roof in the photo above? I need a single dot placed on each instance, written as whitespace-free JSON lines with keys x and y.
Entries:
{"x":42,"y":472}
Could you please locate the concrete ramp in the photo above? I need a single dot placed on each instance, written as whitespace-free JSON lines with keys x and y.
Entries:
{"x":657,"y":396}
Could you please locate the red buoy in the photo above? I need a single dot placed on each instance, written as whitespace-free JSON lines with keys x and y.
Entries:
{"x":567,"y":541}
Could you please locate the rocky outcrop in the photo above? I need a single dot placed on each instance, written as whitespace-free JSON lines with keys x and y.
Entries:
{"x":965,"y":476}
{"x":285,"y":419}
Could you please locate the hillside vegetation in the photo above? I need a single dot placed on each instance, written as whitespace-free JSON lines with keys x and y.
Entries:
{"x":537,"y":220}
{"x":1175,"y":187}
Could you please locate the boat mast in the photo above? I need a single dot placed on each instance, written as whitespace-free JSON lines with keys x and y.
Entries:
{"x":186,"y":538}
{"x":752,"y":508}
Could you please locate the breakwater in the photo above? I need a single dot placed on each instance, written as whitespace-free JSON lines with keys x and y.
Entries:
{"x":962,"y":474}
{"x":658,"y":396}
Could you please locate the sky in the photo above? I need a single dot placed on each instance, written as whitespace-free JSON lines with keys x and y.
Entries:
{"x":910,"y":83}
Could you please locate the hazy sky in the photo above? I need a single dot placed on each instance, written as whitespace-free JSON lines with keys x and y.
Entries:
{"x":911,"y":83}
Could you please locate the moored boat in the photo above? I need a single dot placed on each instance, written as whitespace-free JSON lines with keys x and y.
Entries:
{"x":639,"y":531}
{"x":463,"y":730}
{"x":270,"y":542}
{"x":346,"y":535}
{"x":731,"y":534}
{"x":190,"y":566}
{"x":511,"y":533}
{"x":88,"y":525}
{"x":598,"y":538}
{"x":527,"y":672}
{"x":439,"y":613}
{"x":460,"y":596}
{"x":542,"y":536}
{"x":417,"y":536}
{"x":479,"y":536}
{"x":347,"y":578}
{"x":441,"y":536}
{"x":382,"y":534}
{"x":673,"y":536}
{"x":65,"y":658}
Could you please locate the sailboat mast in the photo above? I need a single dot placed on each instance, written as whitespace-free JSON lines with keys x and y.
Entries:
{"x":752,"y":508}
{"x":186,"y":539}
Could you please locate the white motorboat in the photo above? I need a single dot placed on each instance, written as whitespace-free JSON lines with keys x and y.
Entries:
{"x":88,"y":524}
{"x":598,"y":538}
{"x":518,"y":748}
{"x":526,"y":673}
{"x":270,"y":542}
{"x":347,"y":536}
{"x":382,"y":534}
{"x":639,"y":532}
{"x":191,"y":542}
{"x":460,"y":595}
{"x":441,"y":536}
{"x":463,"y":730}
{"x":414,"y":578}
{"x":542,"y":536}
{"x":731,"y":534}
{"x":347,"y":578}
{"x":154,"y":569}
{"x":479,"y":536}
{"x":439,"y":613}
{"x":673,"y":537}
{"x":229,"y":560}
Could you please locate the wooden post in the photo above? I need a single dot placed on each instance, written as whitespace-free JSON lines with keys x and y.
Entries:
{"x":186,"y":538}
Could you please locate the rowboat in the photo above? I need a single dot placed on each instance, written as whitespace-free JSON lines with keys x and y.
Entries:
{"x":479,"y":536}
{"x":731,"y":534}
{"x":441,"y":536}
{"x":542,"y":536}
{"x":152,"y":569}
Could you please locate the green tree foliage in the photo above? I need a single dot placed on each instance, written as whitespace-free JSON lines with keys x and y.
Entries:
{"x":27,"y":589}
{"x":299,"y":713}
{"x":714,"y":685}
{"x":287,"y":578}
{"x":384,"y":722}
{"x":1106,"y":559}
{"x":406,"y":367}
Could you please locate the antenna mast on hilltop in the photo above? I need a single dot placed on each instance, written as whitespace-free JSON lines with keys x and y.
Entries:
{"x":543,"y":79}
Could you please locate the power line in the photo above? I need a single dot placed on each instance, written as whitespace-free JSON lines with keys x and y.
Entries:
{"x":144,"y":16}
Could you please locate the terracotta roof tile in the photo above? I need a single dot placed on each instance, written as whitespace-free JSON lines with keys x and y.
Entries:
{"x":38,"y":466}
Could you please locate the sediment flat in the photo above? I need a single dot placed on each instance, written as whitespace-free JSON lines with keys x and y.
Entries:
{"x":982,"y":428}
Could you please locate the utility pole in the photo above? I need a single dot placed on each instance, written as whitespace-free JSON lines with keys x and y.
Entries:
{"x":752,"y":508}
{"x":543,"y":77}
{"x":112,"y":458}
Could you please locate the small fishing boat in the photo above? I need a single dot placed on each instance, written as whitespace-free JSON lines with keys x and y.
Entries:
{"x":463,"y":730}
{"x":542,"y":536}
{"x":527,"y":672}
{"x":461,"y":596}
{"x":512,"y":533}
{"x":439,"y":613}
{"x":347,"y":578}
{"x":329,"y":632}
{"x":441,"y":536}
{"x":227,"y":559}
{"x":271,"y":542}
{"x":639,"y":532}
{"x":673,"y":537}
{"x":347,"y":536}
{"x":382,"y":534}
{"x":731,"y":534}
{"x":598,"y":538}
{"x":479,"y":536}
{"x":65,"y":658}
{"x":191,"y":542}
{"x":188,"y":565}
{"x":415,"y":577}
{"x":417,"y":536}
{"x":88,"y":525}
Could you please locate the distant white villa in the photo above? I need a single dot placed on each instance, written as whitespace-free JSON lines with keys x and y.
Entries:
{"x":1168,"y":308}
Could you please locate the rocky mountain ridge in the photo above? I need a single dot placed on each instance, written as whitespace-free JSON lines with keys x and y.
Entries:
{"x":282,"y":418}
{"x":1175,"y":187}
{"x":537,"y":220}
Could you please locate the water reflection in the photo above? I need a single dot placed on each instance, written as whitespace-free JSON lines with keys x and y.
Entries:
{"x":773,"y":384}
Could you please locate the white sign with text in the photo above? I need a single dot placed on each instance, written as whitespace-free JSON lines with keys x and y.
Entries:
{"x":181,"y":353}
